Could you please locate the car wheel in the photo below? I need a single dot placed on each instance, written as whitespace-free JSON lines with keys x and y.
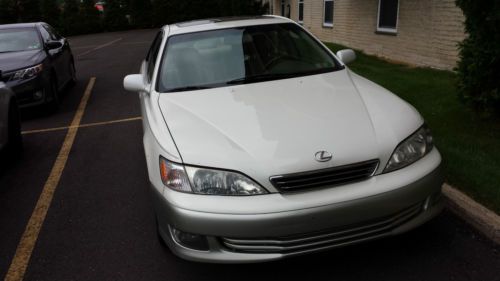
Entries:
{"x":15,"y":139}
{"x":52,"y":92}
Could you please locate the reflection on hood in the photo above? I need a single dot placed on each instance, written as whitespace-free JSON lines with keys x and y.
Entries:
{"x":11,"y":61}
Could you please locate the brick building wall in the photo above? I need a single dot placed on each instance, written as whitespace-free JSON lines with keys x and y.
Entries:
{"x":428,"y":31}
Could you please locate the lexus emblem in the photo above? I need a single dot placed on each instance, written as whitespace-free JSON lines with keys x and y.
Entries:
{"x":323,"y":156}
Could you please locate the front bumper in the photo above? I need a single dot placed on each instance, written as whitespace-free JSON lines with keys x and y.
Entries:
{"x":29,"y":92}
{"x":243,"y":235}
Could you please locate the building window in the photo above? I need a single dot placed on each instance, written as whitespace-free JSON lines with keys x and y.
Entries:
{"x":282,"y":8}
{"x":328,"y":13}
{"x":301,"y":11}
{"x":388,"y":15}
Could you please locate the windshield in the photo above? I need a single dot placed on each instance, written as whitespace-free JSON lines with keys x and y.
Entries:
{"x":16,"y":40}
{"x":241,"y":55}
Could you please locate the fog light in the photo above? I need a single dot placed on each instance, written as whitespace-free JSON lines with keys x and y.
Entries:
{"x":38,"y":95}
{"x":189,"y":240}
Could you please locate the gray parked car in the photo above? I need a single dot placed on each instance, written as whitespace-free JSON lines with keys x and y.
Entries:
{"x":37,"y":63}
{"x":10,"y":128}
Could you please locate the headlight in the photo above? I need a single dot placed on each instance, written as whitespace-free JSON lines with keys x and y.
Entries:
{"x":218,"y":182}
{"x":207,"y":181}
{"x":173,"y":176}
{"x":28,"y":72}
{"x":410,"y":150}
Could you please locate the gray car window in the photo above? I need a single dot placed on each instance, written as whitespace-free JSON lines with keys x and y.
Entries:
{"x":22,"y":39}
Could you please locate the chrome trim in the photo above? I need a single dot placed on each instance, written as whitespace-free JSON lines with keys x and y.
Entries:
{"x":326,"y":177}
{"x":331,"y":238}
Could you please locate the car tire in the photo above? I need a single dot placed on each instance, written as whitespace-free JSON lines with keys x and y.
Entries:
{"x":52,"y":92}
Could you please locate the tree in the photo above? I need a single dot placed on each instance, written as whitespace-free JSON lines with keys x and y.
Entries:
{"x":70,"y":21}
{"x":29,"y":10}
{"x":140,"y":13}
{"x":114,"y":15}
{"x":90,"y":16}
{"x":8,"y":11}
{"x":241,"y":8}
{"x":159,"y":6}
{"x":479,"y":65}
{"x":169,"y":11}
{"x":50,"y":12}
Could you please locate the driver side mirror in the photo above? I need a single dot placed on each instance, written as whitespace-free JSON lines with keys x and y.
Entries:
{"x":346,"y":56}
{"x":51,"y":45}
{"x":134,"y":83}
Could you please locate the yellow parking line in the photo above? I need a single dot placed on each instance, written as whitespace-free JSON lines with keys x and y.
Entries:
{"x":82,"y":126}
{"x":20,"y":261}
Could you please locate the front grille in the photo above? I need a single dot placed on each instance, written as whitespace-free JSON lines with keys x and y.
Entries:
{"x":326,"y":239}
{"x":326,"y":177}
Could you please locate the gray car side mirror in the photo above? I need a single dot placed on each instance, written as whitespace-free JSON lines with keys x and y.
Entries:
{"x":51,"y":45}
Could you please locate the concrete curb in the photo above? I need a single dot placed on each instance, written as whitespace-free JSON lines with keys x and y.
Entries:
{"x":478,"y":216}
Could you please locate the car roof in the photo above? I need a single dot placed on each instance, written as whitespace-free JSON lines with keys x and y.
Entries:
{"x":19,"y":25}
{"x":221,"y":23}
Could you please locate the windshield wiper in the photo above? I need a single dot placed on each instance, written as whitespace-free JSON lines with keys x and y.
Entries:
{"x":261,"y":77}
{"x":188,"y":88}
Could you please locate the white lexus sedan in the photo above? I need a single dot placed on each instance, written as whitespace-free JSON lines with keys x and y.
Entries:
{"x":261,"y":144}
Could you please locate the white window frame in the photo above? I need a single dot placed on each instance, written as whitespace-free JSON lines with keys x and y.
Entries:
{"x":328,"y":24}
{"x":301,"y":2}
{"x":385,"y":29}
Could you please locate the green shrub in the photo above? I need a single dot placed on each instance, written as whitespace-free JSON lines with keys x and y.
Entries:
{"x":170,"y":11}
{"x":29,"y":10}
{"x":50,"y":12}
{"x":70,"y":22}
{"x":115,"y":15}
{"x":479,"y":65}
{"x":90,"y":16}
{"x":8,"y":11}
{"x":140,"y":13}
{"x":74,"y":17}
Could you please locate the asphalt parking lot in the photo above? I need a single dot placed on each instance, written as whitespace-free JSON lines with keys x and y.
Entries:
{"x":100,"y":225}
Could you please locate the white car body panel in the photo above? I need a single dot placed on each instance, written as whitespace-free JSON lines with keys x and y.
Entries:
{"x":276,"y":127}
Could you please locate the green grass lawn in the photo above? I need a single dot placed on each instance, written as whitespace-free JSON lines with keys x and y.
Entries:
{"x":470,"y":146}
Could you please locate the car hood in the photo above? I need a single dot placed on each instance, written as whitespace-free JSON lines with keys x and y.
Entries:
{"x":17,"y":60}
{"x":277,"y":127}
